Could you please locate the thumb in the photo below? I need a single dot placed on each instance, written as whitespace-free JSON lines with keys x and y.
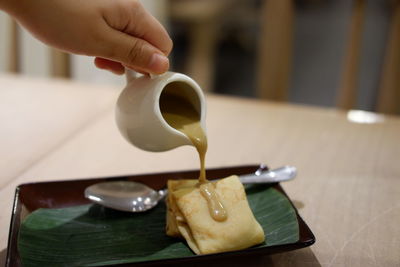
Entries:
{"x":135,"y":53}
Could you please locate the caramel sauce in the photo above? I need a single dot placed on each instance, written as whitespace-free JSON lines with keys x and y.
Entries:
{"x":179,"y":113}
{"x":215,"y":206}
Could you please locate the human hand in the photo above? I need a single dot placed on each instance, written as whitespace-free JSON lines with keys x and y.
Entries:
{"x":119,"y":33}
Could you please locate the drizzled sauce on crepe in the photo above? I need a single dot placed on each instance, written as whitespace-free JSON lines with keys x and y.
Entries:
{"x":181,"y":115}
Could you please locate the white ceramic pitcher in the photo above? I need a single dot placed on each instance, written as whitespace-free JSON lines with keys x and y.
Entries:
{"x":138,"y":113}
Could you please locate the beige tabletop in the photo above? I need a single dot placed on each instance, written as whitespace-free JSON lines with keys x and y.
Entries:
{"x":347,"y":189}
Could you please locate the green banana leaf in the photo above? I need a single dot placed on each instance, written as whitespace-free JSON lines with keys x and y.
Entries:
{"x":91,"y":235}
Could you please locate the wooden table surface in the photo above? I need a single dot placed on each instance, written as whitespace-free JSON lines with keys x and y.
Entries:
{"x":347,"y":189}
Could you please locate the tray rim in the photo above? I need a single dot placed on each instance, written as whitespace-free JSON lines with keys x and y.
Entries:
{"x":304,"y":229}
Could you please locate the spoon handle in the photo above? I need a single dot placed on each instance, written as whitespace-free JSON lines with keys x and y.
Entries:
{"x":281,"y":174}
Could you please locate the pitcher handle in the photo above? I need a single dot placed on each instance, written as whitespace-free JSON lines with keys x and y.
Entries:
{"x":131,"y":75}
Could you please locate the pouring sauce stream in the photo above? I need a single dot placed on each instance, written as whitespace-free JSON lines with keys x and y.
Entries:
{"x":180,"y":114}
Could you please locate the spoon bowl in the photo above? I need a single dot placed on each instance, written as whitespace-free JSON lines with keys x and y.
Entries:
{"x":123,"y":195}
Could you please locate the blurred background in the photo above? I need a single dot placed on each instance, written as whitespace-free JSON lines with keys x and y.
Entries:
{"x":335,"y":53}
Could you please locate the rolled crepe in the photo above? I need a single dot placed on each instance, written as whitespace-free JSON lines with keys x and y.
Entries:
{"x":188,"y":217}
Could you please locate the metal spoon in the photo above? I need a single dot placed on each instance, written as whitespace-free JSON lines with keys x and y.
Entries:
{"x":136,"y":197}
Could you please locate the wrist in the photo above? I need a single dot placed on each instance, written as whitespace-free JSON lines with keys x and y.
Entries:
{"x":11,"y":6}
{"x":4,"y":5}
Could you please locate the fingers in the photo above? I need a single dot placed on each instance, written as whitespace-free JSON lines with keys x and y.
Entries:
{"x":105,"y":64}
{"x":150,"y":29}
{"x":136,"y":21}
{"x":134,"y":53}
{"x":133,"y":38}
{"x":115,"y":67}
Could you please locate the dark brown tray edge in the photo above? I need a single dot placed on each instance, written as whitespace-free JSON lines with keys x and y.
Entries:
{"x":14,"y":226}
{"x":124,"y":176}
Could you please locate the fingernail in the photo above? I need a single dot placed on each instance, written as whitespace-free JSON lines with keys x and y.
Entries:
{"x":158,"y":63}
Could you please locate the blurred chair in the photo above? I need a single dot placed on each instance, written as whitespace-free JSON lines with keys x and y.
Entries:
{"x":389,"y":90}
{"x":59,"y":65}
{"x":275,"y":56}
{"x":203,"y":17}
{"x":275,"y":49}
{"x":13,"y":58}
{"x":388,"y":95}
{"x":347,"y":92}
